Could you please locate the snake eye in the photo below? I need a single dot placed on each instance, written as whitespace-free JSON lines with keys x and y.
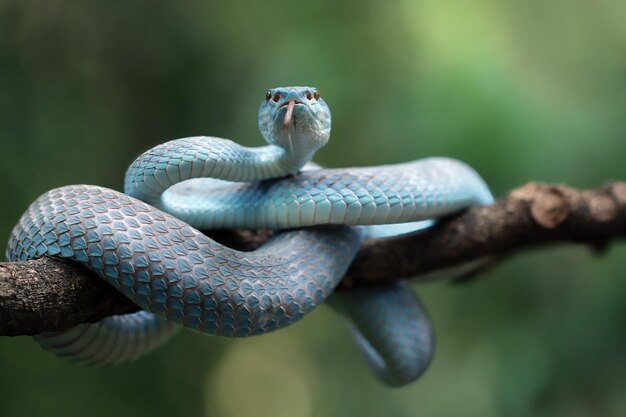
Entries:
{"x":316,"y":95}
{"x":275,"y":98}
{"x":268,"y":95}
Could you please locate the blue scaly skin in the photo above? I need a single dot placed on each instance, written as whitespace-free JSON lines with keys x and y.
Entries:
{"x":146,"y":244}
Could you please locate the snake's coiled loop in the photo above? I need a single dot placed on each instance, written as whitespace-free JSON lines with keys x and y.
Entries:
{"x":153,"y":252}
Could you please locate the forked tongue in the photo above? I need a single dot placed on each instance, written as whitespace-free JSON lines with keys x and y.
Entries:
{"x":289,"y":113}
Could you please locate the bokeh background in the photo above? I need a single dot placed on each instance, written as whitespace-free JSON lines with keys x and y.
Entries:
{"x":521,"y":90}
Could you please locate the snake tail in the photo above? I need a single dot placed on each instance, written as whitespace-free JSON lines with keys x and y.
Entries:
{"x":391,"y":329}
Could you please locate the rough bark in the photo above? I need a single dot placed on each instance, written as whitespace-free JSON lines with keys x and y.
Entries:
{"x":50,"y":294}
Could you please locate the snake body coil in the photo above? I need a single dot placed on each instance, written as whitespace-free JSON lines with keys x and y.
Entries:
{"x":147,"y":245}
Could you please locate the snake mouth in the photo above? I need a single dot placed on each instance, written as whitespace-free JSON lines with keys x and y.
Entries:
{"x":290,"y":105}
{"x":286,"y":103}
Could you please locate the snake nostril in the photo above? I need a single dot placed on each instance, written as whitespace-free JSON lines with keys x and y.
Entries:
{"x":276,"y":97}
{"x":309,"y":95}
{"x":316,"y":95}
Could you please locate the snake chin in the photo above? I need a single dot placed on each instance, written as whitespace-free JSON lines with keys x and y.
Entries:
{"x":304,"y":129}
{"x":302,"y":114}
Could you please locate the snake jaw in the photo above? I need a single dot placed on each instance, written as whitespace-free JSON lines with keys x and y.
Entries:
{"x":288,"y":113}
{"x":289,"y":120}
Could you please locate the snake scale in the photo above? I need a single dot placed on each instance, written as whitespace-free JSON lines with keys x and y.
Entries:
{"x":147,"y":243}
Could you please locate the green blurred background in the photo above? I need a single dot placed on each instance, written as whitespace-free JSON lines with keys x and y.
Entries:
{"x":521,"y":90}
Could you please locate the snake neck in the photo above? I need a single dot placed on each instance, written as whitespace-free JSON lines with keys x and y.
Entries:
{"x":290,"y":161}
{"x":179,"y":160}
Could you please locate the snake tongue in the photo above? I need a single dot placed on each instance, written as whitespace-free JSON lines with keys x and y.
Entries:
{"x":289,"y":113}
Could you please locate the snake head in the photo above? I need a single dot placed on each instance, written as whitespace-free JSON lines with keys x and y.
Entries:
{"x":295,"y":118}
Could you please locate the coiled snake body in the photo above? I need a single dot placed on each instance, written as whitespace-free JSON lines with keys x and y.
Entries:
{"x":147,"y":245}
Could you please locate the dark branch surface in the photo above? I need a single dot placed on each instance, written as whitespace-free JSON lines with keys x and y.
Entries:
{"x":50,"y":294}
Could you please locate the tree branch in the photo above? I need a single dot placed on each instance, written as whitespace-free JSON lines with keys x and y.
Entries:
{"x":51,"y":294}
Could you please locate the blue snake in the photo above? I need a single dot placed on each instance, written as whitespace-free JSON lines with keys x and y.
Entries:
{"x":147,"y":243}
